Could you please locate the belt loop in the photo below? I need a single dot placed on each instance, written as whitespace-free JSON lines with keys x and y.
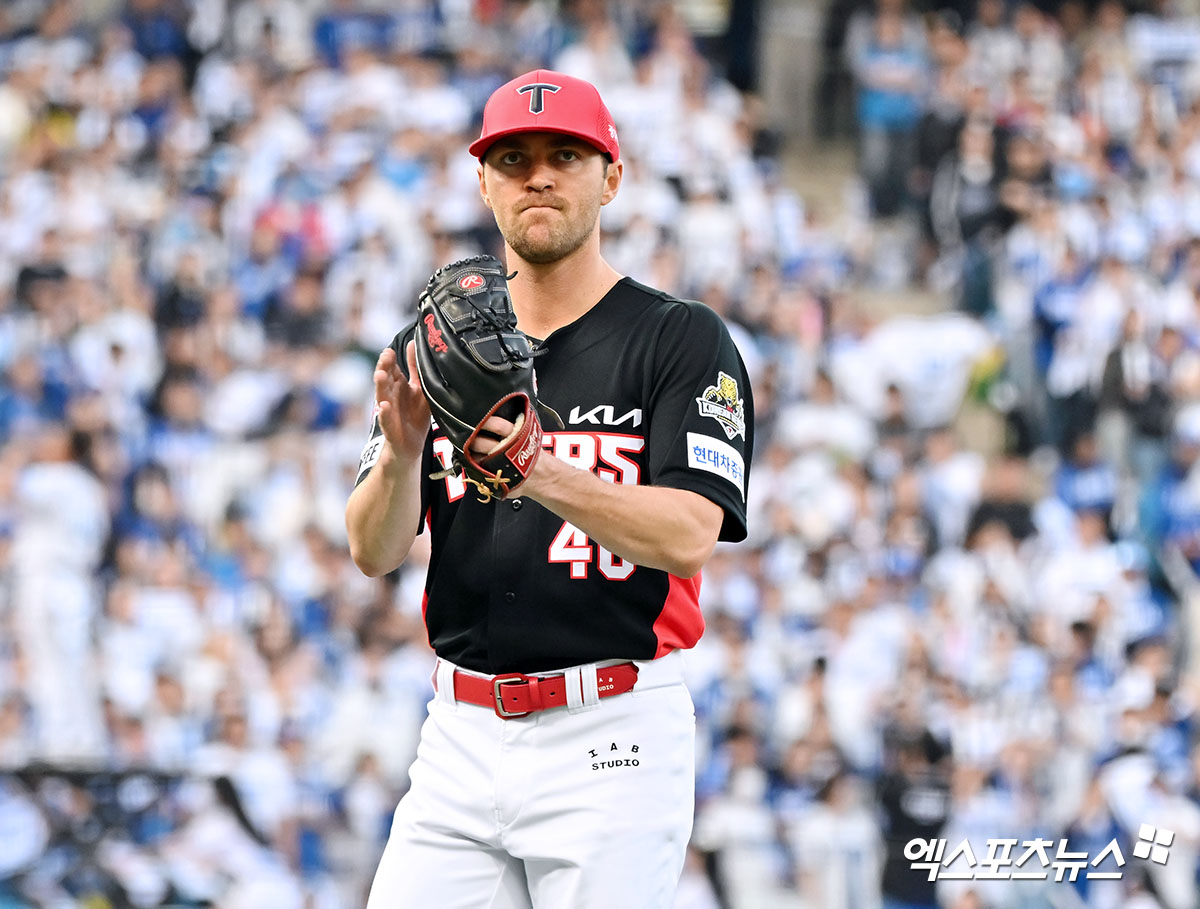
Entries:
{"x":589,"y":687}
{"x":444,"y":682}
{"x":574,"y":685}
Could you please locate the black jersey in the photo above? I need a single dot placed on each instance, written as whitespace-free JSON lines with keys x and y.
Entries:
{"x":651,"y":390}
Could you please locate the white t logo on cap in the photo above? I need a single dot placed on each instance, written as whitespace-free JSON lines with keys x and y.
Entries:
{"x":536,"y":92}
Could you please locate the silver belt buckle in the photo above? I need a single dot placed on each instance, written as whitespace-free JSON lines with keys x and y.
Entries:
{"x":497,"y":684}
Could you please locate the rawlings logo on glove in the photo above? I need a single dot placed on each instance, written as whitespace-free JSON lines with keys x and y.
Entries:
{"x":475,"y":364}
{"x":433,"y":337}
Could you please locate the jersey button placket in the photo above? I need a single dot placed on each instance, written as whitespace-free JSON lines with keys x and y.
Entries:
{"x":510,"y":597}
{"x":517,"y":504}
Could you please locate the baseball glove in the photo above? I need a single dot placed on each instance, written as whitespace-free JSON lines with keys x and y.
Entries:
{"x":474,"y":363}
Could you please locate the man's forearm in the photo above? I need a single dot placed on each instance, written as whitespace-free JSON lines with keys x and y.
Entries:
{"x":383,"y":514}
{"x":655,"y":526}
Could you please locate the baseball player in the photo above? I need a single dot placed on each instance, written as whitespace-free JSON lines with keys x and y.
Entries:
{"x":556,"y":767}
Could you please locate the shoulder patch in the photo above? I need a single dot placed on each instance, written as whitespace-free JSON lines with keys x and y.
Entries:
{"x":721,"y":402}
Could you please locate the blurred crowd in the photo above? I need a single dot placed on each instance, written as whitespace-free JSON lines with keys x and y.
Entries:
{"x":968,"y":607}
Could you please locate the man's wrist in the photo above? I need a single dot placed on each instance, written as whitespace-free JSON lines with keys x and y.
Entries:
{"x":396,"y":461}
{"x":540,"y":483}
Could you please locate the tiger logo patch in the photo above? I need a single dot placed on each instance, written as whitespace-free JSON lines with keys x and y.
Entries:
{"x":721,"y":402}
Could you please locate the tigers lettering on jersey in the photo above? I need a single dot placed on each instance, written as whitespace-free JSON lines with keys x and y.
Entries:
{"x":610,"y":456}
{"x":606,"y":454}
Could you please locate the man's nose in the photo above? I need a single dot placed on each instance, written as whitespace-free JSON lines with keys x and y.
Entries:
{"x":540,"y":177}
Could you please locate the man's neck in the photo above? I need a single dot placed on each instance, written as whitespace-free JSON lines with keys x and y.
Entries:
{"x":547,"y":297}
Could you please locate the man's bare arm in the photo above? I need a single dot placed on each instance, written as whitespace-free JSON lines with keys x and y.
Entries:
{"x":383,"y":512}
{"x":673,"y":530}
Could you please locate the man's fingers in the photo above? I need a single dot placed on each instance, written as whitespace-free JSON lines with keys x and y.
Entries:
{"x":384,"y":369}
{"x":501,"y":428}
{"x":494,"y":432}
{"x":386,"y":362}
{"x":410,"y":354}
{"x":415,"y":391}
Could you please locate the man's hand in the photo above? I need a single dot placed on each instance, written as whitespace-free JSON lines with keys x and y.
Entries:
{"x":400,"y":403}
{"x":492,"y":433}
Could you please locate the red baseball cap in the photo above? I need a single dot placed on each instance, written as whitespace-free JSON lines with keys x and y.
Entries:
{"x":546,"y":101}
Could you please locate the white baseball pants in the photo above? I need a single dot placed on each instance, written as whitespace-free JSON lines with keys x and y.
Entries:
{"x":569,"y":808}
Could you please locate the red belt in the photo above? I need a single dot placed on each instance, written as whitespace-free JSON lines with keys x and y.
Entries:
{"x":515,"y":695}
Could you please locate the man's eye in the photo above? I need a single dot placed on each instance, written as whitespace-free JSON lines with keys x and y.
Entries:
{"x":568,"y":155}
{"x":511,"y":157}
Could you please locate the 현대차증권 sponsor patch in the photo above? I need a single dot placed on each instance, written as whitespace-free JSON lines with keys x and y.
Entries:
{"x":717,"y":456}
{"x":721,"y":402}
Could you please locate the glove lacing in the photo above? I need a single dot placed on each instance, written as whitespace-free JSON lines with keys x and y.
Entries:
{"x":496,"y":323}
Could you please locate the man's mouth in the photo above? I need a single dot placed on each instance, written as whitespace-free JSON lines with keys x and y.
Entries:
{"x":540,"y":205}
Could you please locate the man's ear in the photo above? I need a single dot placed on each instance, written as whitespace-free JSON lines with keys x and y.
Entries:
{"x":483,"y":193}
{"x":613,"y":172}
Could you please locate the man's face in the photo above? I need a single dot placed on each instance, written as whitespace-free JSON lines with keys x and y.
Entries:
{"x":545,"y":190}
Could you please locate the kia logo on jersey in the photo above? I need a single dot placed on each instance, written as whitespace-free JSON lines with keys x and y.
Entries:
{"x":604,"y":414}
{"x":470,"y":282}
{"x":433,"y":335}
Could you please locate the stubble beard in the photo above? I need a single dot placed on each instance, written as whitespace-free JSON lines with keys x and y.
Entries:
{"x":542,"y":244}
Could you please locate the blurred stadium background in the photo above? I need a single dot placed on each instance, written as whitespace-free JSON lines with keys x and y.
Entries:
{"x":959,"y":247}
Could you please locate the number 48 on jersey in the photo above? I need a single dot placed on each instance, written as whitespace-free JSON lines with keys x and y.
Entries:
{"x":571,"y":545}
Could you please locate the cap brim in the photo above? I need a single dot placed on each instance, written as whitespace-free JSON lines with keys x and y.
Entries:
{"x":480,"y":146}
